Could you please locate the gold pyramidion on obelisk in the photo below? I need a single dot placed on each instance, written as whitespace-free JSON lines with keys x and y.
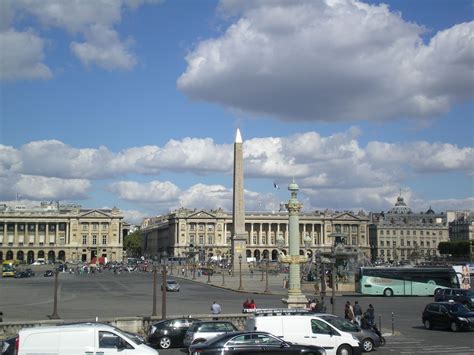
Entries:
{"x":239,"y":236}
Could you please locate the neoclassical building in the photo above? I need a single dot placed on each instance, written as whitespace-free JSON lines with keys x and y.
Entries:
{"x":60,"y":232}
{"x":461,"y":225}
{"x":210,"y":232}
{"x":402,"y":235}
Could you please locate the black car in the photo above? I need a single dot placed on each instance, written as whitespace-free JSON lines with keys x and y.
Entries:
{"x":252,"y":343}
{"x":169,"y":333}
{"x":20,"y":274}
{"x":466,"y":297}
{"x":30,"y":272}
{"x":7,"y":347}
{"x":450,"y":315}
{"x":48,"y":273}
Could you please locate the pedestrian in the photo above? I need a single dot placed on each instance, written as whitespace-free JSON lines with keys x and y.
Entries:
{"x":348,"y":312}
{"x":246,"y":304}
{"x":215,"y":310}
{"x":357,"y":312}
{"x":313,"y":305}
{"x":252,"y":304}
{"x":370,"y":314}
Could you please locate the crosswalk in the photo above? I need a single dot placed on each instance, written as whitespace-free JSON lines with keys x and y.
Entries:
{"x":404,"y":346}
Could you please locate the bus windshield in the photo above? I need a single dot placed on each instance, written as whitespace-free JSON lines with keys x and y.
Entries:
{"x":406,"y":281}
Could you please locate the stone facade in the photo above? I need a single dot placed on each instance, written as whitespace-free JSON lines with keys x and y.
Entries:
{"x":461,"y":227}
{"x":402,"y":235}
{"x":56,"y":232}
{"x":211,"y":231}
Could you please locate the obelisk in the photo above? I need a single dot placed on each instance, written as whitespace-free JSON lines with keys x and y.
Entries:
{"x":239,"y":236}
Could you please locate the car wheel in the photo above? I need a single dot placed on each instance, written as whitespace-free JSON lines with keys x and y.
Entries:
{"x":368,"y":345}
{"x":388,"y":292}
{"x":165,"y":342}
{"x":427,"y":324}
{"x":344,"y":350}
{"x":454,"y":327}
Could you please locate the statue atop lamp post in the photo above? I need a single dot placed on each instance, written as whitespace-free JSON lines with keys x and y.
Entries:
{"x":295,"y":299}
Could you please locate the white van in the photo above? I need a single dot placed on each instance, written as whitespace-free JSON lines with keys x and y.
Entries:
{"x":306,"y":329}
{"x":80,"y":339}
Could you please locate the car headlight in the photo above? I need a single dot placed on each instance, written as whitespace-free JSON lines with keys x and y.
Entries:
{"x":462,"y":319}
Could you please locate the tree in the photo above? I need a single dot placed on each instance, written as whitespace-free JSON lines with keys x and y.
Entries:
{"x":132,"y":243}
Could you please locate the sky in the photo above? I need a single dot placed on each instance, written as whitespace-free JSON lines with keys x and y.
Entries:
{"x":135,"y":103}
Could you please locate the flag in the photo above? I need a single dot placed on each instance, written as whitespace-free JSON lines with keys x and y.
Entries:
{"x":275,"y":186}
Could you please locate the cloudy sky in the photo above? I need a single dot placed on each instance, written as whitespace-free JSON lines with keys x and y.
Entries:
{"x":135,"y":103}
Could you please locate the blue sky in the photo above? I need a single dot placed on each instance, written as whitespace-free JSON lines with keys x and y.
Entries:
{"x":135,"y":103}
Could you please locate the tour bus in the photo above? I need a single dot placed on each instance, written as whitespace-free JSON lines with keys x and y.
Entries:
{"x":8,"y":268}
{"x":406,"y":281}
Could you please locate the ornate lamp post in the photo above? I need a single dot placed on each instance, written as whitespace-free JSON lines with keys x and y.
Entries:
{"x":223,"y":275}
{"x":295,"y":299}
{"x":163,"y":287}
{"x":267,"y":289}
{"x":241,"y":287}
{"x":155,"y":265}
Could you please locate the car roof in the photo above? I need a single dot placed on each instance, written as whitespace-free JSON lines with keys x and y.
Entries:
{"x":99,"y":326}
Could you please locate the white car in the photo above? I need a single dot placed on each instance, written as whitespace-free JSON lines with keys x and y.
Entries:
{"x":80,"y":339}
{"x":304,"y":328}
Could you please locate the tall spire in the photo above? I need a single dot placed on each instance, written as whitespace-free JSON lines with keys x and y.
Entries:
{"x":238,"y":136}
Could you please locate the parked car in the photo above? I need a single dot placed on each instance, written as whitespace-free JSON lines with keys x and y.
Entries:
{"x":368,"y":339}
{"x":252,"y":343}
{"x":171,"y":285}
{"x":466,"y":297}
{"x":7,"y":346}
{"x":80,"y":338}
{"x":48,"y":273}
{"x":199,"y":332}
{"x":449,"y":315}
{"x":169,"y":333}
{"x":30,"y":272}
{"x":304,"y":328}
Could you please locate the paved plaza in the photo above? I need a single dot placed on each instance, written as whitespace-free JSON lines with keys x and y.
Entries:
{"x":107,"y":295}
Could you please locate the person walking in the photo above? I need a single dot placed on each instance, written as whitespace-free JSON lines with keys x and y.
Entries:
{"x":370,"y":314}
{"x":246,"y":304}
{"x":348,"y":312}
{"x":215,"y":310}
{"x":357,"y":312}
{"x":252,"y":305}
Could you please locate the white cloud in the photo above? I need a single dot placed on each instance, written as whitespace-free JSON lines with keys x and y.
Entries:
{"x":331,"y":61}
{"x":44,"y":188}
{"x":22,"y":56}
{"x":134,"y":216}
{"x":151,"y":192}
{"x":22,"y":51}
{"x":104,"y":48}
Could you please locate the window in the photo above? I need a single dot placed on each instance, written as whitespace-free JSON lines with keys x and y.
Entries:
{"x":382,"y":243}
{"x":421,"y":232}
{"x":201,"y":239}
{"x":408,"y":243}
{"x":408,"y":232}
{"x":209,"y":239}
{"x":94,"y":240}
{"x":52,"y":228}
{"x":201,"y":227}
{"x":192,"y":226}
{"x":10,"y":227}
{"x":422,"y":243}
{"x":401,"y":232}
{"x":105,"y":226}
{"x":62,"y":227}
{"x":109,"y":340}
{"x":319,"y":327}
{"x":210,"y":227}
{"x":381,"y":232}
{"x":394,"y":243}
{"x":2,"y":227}
{"x":84,"y":239}
{"x":393,"y":232}
{"x":414,"y":232}
{"x":254,"y":239}
{"x":95,"y":226}
{"x":192,"y":239}
{"x":104,"y":240}
{"x":402,"y":242}
{"x":21,"y":227}
{"x":85,"y":226}
{"x":354,"y":229}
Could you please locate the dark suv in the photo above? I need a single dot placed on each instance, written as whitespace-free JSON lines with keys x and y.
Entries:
{"x":458,"y":295}
{"x":450,"y":315}
{"x":169,"y":333}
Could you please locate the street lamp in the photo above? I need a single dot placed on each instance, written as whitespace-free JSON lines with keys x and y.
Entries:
{"x":163,"y":287}
{"x":223,"y":275}
{"x":155,"y":264}
{"x":267,"y":289}
{"x":241,"y":288}
{"x":55,"y":304}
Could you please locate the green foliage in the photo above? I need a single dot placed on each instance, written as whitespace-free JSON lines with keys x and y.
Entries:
{"x":132,"y":243}
{"x":460,"y":248}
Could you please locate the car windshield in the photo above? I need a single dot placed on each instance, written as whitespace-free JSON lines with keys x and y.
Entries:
{"x":341,"y":324}
{"x":458,"y":309}
{"x":171,"y":282}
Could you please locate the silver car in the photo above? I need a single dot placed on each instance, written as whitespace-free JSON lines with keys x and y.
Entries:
{"x":171,"y":285}
{"x":368,"y":339}
{"x":199,"y":332}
